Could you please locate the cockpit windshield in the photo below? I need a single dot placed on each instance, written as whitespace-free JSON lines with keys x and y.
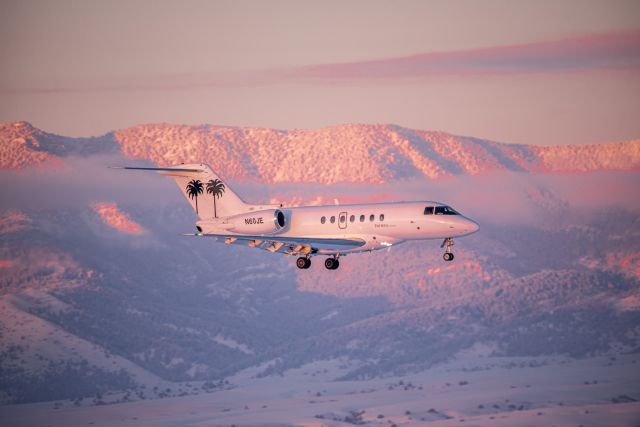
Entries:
{"x":440,"y":210}
{"x":445,"y":210}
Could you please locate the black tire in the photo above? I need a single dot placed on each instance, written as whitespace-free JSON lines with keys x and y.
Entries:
{"x":336,"y":264}
{"x":307,"y":262}
{"x":329,"y":263}
{"x":302,"y":263}
{"x":447,"y":256}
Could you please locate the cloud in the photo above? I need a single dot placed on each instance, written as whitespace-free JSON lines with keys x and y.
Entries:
{"x":162,"y":83}
{"x":600,"y":51}
{"x":580,"y":53}
{"x":80,"y":182}
{"x":497,"y":197}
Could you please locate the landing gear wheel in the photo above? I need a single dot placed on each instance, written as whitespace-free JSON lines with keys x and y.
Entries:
{"x":331,"y":263}
{"x":303,"y":262}
{"x":448,"y":255}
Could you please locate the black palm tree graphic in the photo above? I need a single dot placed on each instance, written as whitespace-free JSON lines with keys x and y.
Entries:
{"x":194,"y":187}
{"x":216,"y":188}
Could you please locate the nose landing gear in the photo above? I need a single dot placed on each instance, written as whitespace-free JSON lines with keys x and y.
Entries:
{"x":448,"y":254}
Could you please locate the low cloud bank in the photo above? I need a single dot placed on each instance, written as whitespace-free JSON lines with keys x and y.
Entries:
{"x":497,"y":197}
{"x":83,"y":181}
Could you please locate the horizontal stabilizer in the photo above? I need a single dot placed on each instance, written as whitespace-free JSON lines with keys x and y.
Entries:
{"x":158,"y":169}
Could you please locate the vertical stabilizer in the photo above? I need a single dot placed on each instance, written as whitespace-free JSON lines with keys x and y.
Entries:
{"x":209,"y":196}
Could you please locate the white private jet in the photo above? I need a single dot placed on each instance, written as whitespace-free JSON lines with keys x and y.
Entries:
{"x":305,"y":231}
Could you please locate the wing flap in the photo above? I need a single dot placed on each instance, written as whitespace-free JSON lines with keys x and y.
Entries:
{"x":287,"y":244}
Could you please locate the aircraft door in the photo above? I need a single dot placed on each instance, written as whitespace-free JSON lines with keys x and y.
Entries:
{"x":342,"y":220}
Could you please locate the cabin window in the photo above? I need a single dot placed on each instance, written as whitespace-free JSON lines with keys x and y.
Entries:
{"x":333,"y":219}
{"x":445,"y":210}
{"x":343,"y":219}
{"x":352,"y":218}
{"x":372,"y":217}
{"x":323,"y":220}
{"x":381,"y":217}
{"x":428,"y":210}
{"x":361,"y":218}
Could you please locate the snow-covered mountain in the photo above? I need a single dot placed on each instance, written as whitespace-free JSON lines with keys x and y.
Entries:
{"x":104,"y":294}
{"x":347,"y":153}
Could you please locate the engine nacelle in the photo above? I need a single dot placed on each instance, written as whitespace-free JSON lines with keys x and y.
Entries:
{"x":269,"y":221}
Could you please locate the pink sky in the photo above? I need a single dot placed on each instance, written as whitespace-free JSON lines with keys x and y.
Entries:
{"x":551,"y":72}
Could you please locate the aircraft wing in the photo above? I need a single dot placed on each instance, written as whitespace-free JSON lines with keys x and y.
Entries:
{"x":288,"y":245}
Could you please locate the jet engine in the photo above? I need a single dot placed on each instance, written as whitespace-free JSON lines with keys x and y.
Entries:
{"x":269,"y":221}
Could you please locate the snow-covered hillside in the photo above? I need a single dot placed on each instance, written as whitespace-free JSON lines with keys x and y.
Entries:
{"x":347,"y":153}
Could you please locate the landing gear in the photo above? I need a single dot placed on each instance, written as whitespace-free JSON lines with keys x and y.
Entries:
{"x":331,"y":263}
{"x":448,"y":254}
{"x":303,"y":262}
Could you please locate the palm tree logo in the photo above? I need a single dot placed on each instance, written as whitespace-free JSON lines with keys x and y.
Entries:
{"x":194,"y":187}
{"x":215,"y":187}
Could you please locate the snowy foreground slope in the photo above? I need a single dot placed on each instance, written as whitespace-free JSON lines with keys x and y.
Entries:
{"x":478,"y":392}
{"x":109,"y":315}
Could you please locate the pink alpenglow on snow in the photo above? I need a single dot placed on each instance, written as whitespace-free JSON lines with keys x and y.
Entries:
{"x":6,"y":263}
{"x":20,"y":146}
{"x":14,"y":220}
{"x":371,"y":154}
{"x":623,"y":262}
{"x":115,"y":218}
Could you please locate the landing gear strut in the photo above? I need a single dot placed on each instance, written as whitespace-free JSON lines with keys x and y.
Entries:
{"x":303,"y":262}
{"x":448,"y":254}
{"x":332,"y":263}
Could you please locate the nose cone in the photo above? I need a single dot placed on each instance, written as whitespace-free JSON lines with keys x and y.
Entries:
{"x":471,"y":226}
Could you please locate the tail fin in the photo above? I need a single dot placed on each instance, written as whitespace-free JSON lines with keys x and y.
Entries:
{"x":208,"y":195}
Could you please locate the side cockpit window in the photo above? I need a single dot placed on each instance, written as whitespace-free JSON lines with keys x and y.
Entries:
{"x":445,"y":210}
{"x":428,"y":210}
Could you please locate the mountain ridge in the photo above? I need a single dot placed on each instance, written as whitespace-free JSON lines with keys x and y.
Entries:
{"x":352,"y":153}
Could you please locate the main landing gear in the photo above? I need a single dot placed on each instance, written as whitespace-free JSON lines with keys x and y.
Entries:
{"x":332,"y":263}
{"x":303,"y":262}
{"x":448,"y":254}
